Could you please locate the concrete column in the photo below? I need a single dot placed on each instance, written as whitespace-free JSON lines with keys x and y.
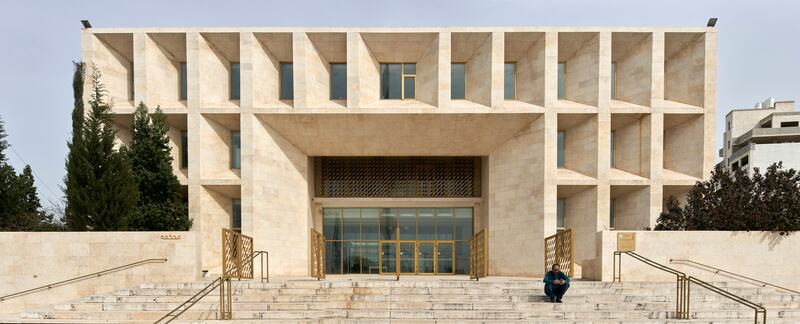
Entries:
{"x":498,"y":47}
{"x":710,"y":103}
{"x":444,"y":69}
{"x":550,"y":189}
{"x":140,"y":65}
{"x":603,"y":132}
{"x":354,"y":44}
{"x":551,"y":70}
{"x":300,"y":47}
{"x":193,"y":119}
{"x":657,"y":129}
{"x":247,"y":43}
{"x":246,"y":46}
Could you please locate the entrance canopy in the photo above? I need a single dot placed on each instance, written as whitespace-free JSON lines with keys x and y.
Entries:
{"x":397,"y":134}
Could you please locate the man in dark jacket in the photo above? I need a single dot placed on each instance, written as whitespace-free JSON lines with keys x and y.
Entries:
{"x":556,"y":283}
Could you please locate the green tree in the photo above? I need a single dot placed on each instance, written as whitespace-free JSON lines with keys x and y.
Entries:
{"x":672,"y":218}
{"x":20,"y":209}
{"x":99,"y":186}
{"x":734,"y":201}
{"x":160,"y":206}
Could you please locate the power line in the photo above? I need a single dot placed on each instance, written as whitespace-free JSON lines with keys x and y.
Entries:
{"x":52,"y":204}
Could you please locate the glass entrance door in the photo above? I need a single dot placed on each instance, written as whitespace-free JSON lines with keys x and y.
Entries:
{"x":388,"y":257}
{"x":390,"y":240}
{"x":407,"y":257}
{"x":444,"y":257}
{"x":426,"y":258}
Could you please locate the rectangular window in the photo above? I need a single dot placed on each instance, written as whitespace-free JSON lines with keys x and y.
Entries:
{"x":391,"y":81}
{"x":131,"y":85}
{"x":744,"y":161}
{"x":560,"y":212}
{"x":338,"y":81}
{"x":612,"y":139}
{"x":612,"y":218}
{"x":562,"y":79}
{"x":457,"y":81}
{"x":235,"y":81}
{"x":287,"y":81}
{"x":560,"y":148}
{"x":236,"y":216}
{"x":789,"y":124}
{"x":236,"y":150}
{"x":398,"y":80}
{"x":510,"y":81}
{"x":184,"y":150}
{"x":613,"y":80}
{"x":409,"y":87}
{"x":184,"y":81}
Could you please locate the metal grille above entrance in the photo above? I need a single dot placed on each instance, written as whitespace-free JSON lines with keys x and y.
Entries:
{"x":397,"y":177}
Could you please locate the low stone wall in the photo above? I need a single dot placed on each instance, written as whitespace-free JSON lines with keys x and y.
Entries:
{"x":32,"y":259}
{"x":766,"y":256}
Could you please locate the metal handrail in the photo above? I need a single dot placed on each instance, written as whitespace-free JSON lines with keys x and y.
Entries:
{"x":756,"y":307}
{"x":650,"y":263}
{"x":225,"y":304}
{"x":262,"y":254}
{"x":178,"y":311}
{"x":682,"y":282}
{"x":79,"y":278}
{"x":718,"y":270}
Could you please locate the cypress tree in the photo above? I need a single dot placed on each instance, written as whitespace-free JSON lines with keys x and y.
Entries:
{"x":100,"y":188}
{"x":76,"y":160}
{"x":160,"y":206}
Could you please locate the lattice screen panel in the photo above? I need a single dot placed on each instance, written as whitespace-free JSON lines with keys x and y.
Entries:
{"x":398,"y":177}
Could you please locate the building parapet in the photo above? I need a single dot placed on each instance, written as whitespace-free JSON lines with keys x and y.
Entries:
{"x":755,"y":134}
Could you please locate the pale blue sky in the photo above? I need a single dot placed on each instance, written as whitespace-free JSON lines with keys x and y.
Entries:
{"x":758,"y":50}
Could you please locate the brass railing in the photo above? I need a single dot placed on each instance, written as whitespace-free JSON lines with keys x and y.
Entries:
{"x":225,"y":303}
{"x":237,"y":262}
{"x":264,"y":266}
{"x":736,"y":275}
{"x":558,"y":249}
{"x":237,"y":251}
{"x":759,"y":310}
{"x":80,"y":278}
{"x":478,"y":256}
{"x":317,"y":255}
{"x":682,"y":281}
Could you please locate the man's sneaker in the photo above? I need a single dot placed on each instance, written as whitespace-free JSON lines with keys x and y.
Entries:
{"x":558,"y":300}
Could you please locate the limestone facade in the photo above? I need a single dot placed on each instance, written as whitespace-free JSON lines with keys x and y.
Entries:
{"x":662,"y":115}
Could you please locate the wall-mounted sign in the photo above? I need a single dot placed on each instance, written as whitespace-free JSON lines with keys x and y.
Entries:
{"x":626,"y":242}
{"x":170,"y":236}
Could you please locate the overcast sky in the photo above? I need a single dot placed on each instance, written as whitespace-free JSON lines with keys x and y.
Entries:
{"x":758,"y":54}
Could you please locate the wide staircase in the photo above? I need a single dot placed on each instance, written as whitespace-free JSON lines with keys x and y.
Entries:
{"x":373,"y":299}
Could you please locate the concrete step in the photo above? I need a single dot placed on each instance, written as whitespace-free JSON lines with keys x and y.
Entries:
{"x":421,"y":301}
{"x":410,"y":314}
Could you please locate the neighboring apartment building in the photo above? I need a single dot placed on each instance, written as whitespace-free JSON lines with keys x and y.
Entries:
{"x":759,"y":137}
{"x":399,"y":144}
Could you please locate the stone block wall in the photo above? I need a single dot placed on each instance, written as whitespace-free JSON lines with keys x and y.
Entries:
{"x":30,"y":260}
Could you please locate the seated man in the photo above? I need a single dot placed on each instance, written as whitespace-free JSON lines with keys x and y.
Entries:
{"x":556,"y":283}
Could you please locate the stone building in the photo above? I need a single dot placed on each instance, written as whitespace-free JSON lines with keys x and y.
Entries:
{"x":400,"y":143}
{"x":759,"y":137}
